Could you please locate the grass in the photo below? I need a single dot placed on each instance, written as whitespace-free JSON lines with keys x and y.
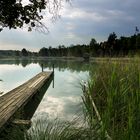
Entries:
{"x":53,"y":130}
{"x":115,"y":90}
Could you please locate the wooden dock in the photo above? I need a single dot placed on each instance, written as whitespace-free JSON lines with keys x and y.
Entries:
{"x":17,"y":98}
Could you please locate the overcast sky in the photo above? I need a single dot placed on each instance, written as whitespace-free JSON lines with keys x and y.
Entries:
{"x":80,"y":21}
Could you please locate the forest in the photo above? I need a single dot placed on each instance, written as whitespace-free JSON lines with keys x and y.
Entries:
{"x":112,"y":47}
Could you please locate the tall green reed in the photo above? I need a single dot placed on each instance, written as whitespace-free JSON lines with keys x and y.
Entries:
{"x":54,"y":130}
{"x":115,"y":89}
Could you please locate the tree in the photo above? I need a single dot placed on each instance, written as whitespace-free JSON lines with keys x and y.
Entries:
{"x":16,"y":14}
{"x":138,"y":41}
{"x":111,"y":42}
{"x":43,"y":52}
{"x":24,"y":52}
{"x":112,"y":37}
{"x":93,"y":47}
{"x":17,"y":53}
{"x":93,"y":42}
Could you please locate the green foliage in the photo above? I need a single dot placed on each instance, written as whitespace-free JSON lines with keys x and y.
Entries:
{"x":43,"y":52}
{"x":112,"y":37}
{"x":24,"y":52}
{"x":93,"y":42}
{"x":53,"y":130}
{"x":17,"y":54}
{"x":17,"y":13}
{"x":115,"y":89}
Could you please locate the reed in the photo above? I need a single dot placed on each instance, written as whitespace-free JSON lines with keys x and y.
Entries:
{"x":55,"y":130}
{"x":115,"y":90}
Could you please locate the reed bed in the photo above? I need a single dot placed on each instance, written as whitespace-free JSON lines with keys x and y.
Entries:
{"x":55,"y":130}
{"x":114,"y":88}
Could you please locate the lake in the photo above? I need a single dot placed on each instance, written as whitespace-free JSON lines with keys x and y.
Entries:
{"x":64,"y":100}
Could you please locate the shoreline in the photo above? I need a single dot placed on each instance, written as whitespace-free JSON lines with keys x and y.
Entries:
{"x":92,"y":59}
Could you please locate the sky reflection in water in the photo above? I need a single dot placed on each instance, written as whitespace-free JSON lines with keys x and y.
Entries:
{"x":62,"y":101}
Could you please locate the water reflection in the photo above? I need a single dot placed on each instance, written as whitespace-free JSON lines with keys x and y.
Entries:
{"x":63,"y":101}
{"x":14,"y":75}
{"x":61,"y":65}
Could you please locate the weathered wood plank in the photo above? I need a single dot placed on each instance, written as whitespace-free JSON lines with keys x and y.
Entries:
{"x":22,"y":123}
{"x":16,"y":98}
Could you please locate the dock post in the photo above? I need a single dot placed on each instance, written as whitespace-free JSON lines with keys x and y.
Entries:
{"x":53,"y":68}
{"x":53,"y":76}
{"x":42,"y":67}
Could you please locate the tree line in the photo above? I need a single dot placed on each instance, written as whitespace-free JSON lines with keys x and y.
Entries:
{"x":17,"y":53}
{"x":113,"y":47}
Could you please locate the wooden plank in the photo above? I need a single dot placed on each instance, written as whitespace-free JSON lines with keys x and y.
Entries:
{"x":16,"y":98}
{"x":22,"y":123}
{"x":37,"y":82}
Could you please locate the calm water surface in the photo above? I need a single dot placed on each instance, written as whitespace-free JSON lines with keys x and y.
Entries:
{"x":62,"y":101}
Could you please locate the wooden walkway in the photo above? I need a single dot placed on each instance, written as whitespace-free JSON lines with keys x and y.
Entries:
{"x":12,"y":101}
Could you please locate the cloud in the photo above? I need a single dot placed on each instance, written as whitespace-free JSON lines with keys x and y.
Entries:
{"x":64,"y":107}
{"x":70,"y":35}
{"x":79,"y":22}
{"x":70,"y":26}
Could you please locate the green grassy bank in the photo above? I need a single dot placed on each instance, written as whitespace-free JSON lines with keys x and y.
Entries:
{"x":113,"y":98}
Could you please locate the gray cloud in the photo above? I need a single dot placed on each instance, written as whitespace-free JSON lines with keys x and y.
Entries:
{"x":79,"y":23}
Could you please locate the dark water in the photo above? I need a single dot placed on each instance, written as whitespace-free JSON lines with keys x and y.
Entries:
{"x":64,"y":100}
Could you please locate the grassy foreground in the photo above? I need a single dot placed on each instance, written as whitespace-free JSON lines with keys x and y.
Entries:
{"x":113,"y":98}
{"x":54,"y":130}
